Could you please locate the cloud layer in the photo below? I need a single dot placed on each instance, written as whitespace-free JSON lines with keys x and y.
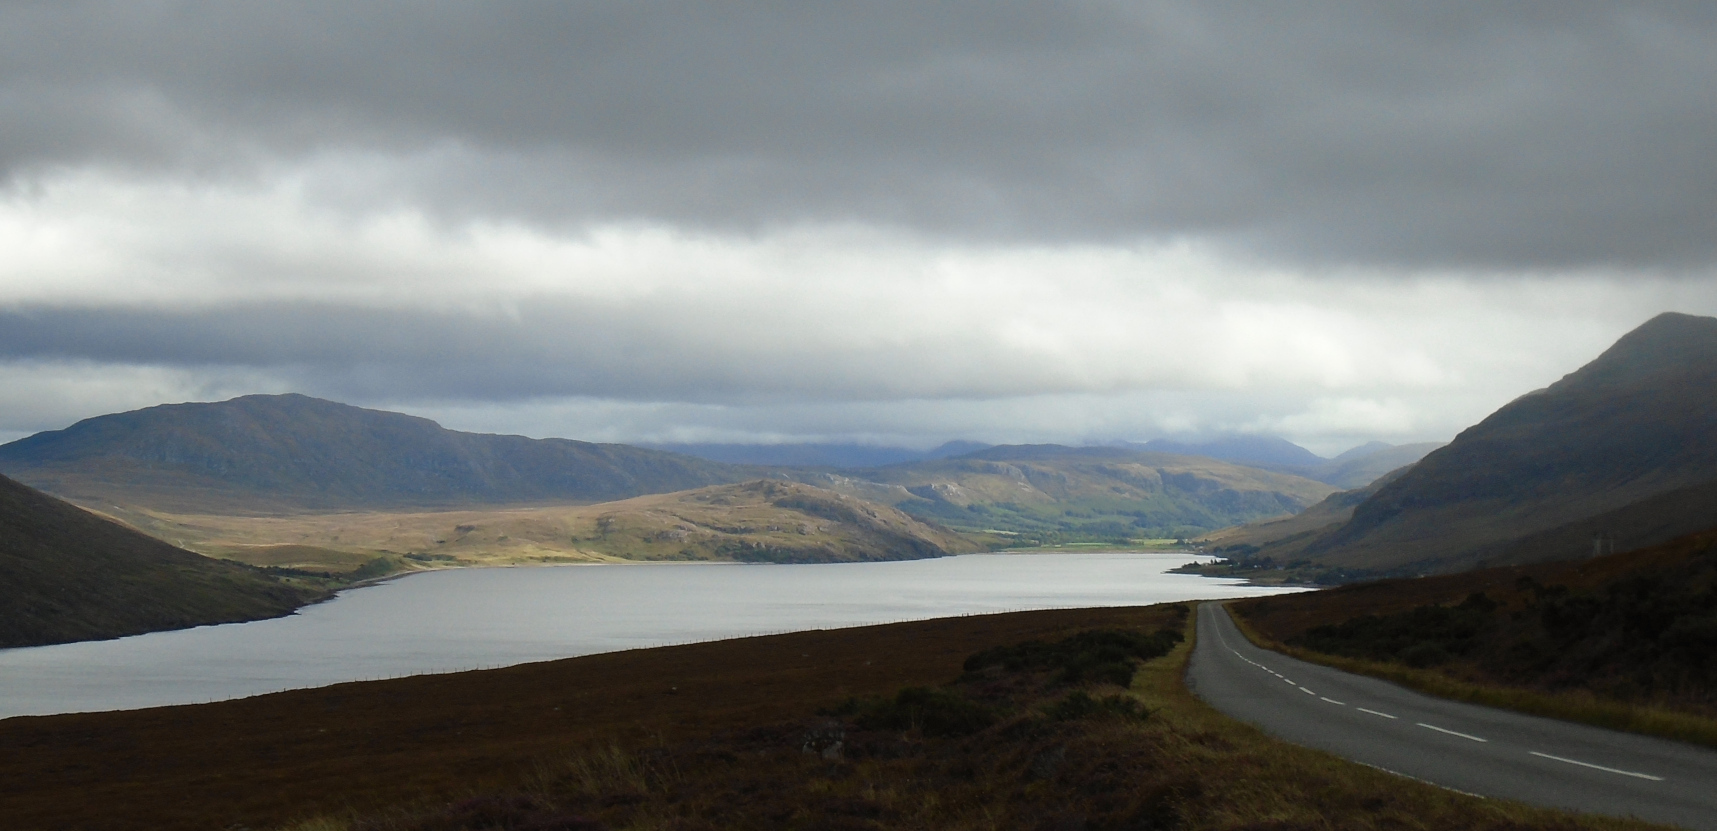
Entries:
{"x":888,"y":221}
{"x":1523,"y":136}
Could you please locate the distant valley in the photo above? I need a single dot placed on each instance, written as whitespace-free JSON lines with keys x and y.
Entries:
{"x":317,"y":494}
{"x":293,"y":482}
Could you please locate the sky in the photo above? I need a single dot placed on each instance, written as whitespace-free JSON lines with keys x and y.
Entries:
{"x":892,"y":223}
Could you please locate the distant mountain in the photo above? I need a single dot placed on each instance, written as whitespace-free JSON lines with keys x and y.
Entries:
{"x":1355,"y":468}
{"x":1055,"y":493}
{"x":816,"y":455}
{"x":1632,"y":427}
{"x":69,"y":575}
{"x":1255,"y":451}
{"x":1365,"y":464}
{"x":292,"y":452}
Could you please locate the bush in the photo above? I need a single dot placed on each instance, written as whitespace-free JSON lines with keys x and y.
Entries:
{"x":1079,"y":704}
{"x":932,"y":712}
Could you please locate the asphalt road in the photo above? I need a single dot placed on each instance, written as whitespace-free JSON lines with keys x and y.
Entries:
{"x":1464,"y":747}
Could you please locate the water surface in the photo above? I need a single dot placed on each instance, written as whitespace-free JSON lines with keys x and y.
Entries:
{"x":453,"y":620}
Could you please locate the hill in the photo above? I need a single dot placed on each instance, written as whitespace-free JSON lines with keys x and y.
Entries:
{"x":758,"y":521}
{"x":1633,"y":425}
{"x":1052,"y":493}
{"x":68,"y":575}
{"x":263,"y":453}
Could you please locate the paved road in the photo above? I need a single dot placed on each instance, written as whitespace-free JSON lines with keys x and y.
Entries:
{"x":1477,"y":750}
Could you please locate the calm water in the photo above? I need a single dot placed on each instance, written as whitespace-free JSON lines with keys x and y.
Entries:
{"x":466,"y":619}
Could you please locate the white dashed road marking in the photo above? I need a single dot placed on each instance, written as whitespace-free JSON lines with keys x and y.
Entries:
{"x":1451,"y":732}
{"x":1375,"y":713}
{"x":1598,"y":767}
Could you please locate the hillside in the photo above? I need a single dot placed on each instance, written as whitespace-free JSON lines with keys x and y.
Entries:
{"x":282,"y":453}
{"x":68,"y":575}
{"x":1634,"y":424}
{"x":1300,"y":528}
{"x":1051,"y":493}
{"x":1634,"y":632}
{"x":758,"y":521}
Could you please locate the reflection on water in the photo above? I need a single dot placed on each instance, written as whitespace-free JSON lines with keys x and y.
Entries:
{"x":454,"y":620}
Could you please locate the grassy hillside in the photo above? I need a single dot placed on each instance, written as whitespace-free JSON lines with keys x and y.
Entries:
{"x":733,"y":734}
{"x":1626,"y":640}
{"x":763,"y":520}
{"x":1633,"y":425}
{"x":68,"y":575}
{"x":1049,"y":493}
{"x":281,"y":453}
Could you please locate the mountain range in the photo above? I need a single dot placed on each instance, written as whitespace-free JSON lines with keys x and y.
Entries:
{"x":1625,"y":448}
{"x":292,"y":454}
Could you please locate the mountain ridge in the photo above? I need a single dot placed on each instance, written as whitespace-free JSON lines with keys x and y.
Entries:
{"x":293,"y":452}
{"x":1632,"y":424}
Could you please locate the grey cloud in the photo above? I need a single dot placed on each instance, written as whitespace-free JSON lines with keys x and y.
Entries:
{"x":554,"y":349}
{"x":1520,"y":136}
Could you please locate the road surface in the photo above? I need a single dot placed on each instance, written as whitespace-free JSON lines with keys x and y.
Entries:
{"x":1463,"y":747}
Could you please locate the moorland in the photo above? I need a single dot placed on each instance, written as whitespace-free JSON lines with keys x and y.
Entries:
{"x":954,"y":723}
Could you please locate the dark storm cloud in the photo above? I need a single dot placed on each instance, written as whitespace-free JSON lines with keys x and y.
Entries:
{"x":1527,"y":135}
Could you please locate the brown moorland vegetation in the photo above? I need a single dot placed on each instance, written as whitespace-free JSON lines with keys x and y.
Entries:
{"x":953,"y":723}
{"x":1625,"y":640}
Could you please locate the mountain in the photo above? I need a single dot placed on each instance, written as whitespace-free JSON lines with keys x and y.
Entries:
{"x":1267,"y":452}
{"x":1052,"y":493}
{"x":816,"y":455}
{"x":1634,"y":425}
{"x":69,"y":575}
{"x":1365,"y":464}
{"x":1355,"y":468}
{"x":271,"y":453}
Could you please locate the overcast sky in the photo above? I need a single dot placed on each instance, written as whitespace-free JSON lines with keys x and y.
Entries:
{"x":888,"y":222}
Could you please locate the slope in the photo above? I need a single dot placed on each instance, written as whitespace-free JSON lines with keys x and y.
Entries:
{"x":264,"y":453}
{"x":68,"y":575}
{"x":1051,"y":493}
{"x":1633,"y":424}
{"x":1626,"y":640}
